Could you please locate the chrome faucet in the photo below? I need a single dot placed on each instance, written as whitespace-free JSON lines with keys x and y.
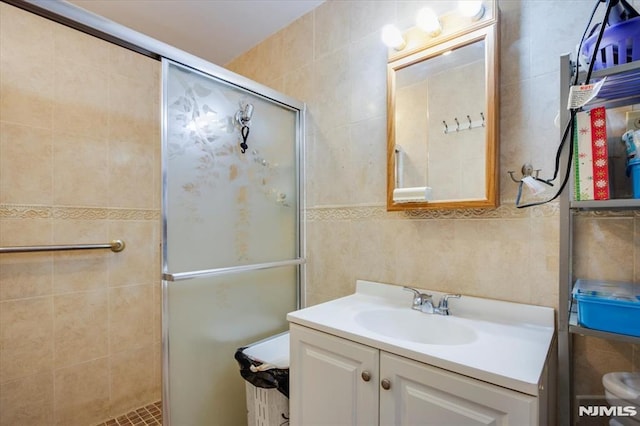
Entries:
{"x":424,"y":302}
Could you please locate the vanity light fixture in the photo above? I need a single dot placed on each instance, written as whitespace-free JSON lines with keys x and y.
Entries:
{"x":473,"y":9}
{"x":392,"y":37}
{"x":428,"y":21}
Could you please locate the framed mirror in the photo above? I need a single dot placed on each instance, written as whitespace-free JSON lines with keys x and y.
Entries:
{"x":442,"y":109}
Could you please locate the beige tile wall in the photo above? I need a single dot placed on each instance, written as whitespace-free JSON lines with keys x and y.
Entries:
{"x":87,"y":324}
{"x":79,"y":163}
{"x":335,"y":62}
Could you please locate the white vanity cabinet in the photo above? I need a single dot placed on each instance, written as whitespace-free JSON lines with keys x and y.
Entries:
{"x":335,"y":381}
{"x":332,"y":381}
{"x":421,"y":394}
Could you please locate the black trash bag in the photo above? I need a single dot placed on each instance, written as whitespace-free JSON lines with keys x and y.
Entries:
{"x":273,"y":378}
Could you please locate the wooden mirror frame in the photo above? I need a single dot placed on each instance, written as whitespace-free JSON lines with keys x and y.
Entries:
{"x":488,"y":33}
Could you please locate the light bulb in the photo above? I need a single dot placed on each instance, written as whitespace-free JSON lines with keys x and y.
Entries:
{"x":428,"y":21}
{"x":473,"y":9}
{"x":392,"y":37}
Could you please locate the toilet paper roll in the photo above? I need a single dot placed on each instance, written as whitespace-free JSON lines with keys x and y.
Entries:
{"x":414,"y":194}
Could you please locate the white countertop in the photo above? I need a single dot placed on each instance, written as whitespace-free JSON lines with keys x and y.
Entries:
{"x":510,"y":349}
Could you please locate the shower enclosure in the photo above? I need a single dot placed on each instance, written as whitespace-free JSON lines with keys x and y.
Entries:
{"x":232,"y":239}
{"x":78,"y":334}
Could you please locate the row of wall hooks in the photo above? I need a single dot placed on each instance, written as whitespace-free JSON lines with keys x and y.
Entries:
{"x":469,"y":124}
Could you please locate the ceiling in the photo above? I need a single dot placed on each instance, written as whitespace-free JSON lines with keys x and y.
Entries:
{"x":215,"y":30}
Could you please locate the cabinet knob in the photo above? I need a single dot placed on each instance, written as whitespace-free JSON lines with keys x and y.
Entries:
{"x":366,"y":376}
{"x":386,"y":384}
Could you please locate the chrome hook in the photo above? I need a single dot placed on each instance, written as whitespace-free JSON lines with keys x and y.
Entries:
{"x":511,"y":172}
{"x":457,"y":124}
{"x":446,"y":128}
{"x":526,"y":170}
{"x":470,"y":123}
{"x":244,"y":114}
{"x":482,"y":115}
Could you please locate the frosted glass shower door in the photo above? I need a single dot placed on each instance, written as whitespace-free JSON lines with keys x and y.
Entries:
{"x":231,"y":253}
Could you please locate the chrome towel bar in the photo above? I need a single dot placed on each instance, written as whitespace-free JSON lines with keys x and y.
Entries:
{"x":115,"y":246}
{"x":180,"y":276}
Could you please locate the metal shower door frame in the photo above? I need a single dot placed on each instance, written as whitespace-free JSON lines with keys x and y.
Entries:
{"x":253,"y":89}
{"x":300,"y":194}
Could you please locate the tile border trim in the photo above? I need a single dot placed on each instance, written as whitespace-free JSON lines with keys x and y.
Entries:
{"x":379,"y":212}
{"x":312,"y":214}
{"x":24,"y":211}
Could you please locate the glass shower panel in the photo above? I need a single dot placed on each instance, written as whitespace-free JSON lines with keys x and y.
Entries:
{"x":209,"y":318}
{"x":230,"y":208}
{"x":226,"y":214}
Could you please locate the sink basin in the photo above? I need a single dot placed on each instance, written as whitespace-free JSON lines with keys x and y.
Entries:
{"x":503,"y":343}
{"x":415,"y":326}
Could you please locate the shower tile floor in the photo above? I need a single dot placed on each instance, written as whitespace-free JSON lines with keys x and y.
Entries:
{"x":151,"y":415}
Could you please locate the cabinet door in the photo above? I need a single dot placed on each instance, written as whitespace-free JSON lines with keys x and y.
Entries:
{"x":327,"y":384}
{"x":424,"y":395}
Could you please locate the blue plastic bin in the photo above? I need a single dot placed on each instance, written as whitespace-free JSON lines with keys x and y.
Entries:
{"x":633,"y":171}
{"x":608,"y":306}
{"x":620,"y":44}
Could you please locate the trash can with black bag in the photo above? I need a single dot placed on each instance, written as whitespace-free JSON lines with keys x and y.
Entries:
{"x":265,"y":367}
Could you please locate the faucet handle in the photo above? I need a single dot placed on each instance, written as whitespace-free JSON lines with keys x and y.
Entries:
{"x":446,"y":297}
{"x":416,"y":292}
{"x":444,"y":302}
{"x":419,"y":298}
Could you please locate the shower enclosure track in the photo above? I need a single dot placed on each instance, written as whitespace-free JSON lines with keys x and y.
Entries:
{"x":114,"y":246}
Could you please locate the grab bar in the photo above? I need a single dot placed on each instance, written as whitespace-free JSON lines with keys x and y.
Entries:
{"x":399,"y":165}
{"x":115,"y":246}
